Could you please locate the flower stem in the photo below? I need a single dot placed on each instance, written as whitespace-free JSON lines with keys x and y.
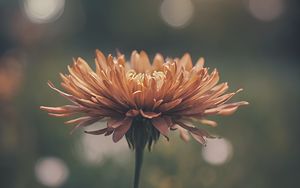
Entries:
{"x":139,"y":151}
{"x":140,"y":134}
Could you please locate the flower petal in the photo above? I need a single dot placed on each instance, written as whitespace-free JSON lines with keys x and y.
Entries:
{"x":200,"y":63}
{"x":195,"y":132}
{"x":228,"y":111}
{"x":61,"y":109}
{"x":144,"y":60}
{"x":186,"y":61}
{"x":61,"y":115}
{"x":169,"y":121}
{"x":78,"y":120}
{"x":140,"y":61}
{"x":85,"y":123}
{"x":205,"y":122}
{"x":66,"y":95}
{"x":115,"y":123}
{"x":100,"y":62}
{"x":158,"y":62}
{"x":149,"y":115}
{"x":169,"y":105}
{"x":132,"y":113}
{"x":161,"y":125}
{"x":183,"y":133}
{"x":217,"y":109}
{"x":109,"y":131}
{"x":97,"y":132}
{"x":199,"y":139}
{"x":122,"y":129}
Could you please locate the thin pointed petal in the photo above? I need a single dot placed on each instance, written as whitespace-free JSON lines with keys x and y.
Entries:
{"x":97,"y":132}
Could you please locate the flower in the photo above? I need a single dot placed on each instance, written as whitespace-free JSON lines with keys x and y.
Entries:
{"x":143,"y":100}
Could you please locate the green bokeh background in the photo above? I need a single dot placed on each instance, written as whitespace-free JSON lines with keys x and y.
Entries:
{"x":261,"y":57}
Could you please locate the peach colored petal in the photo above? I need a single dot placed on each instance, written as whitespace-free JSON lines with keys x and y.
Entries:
{"x":85,"y":123}
{"x":169,"y":105}
{"x":78,"y":120}
{"x":68,"y":96}
{"x":158,"y":62}
{"x":200,"y":63}
{"x":183,"y":133}
{"x":61,"y":115}
{"x":186,"y":62}
{"x":144,"y":61}
{"x":100,"y":62}
{"x":149,"y":115}
{"x":62,"y":109}
{"x":228,"y":111}
{"x":224,"y":106}
{"x":208,"y":122}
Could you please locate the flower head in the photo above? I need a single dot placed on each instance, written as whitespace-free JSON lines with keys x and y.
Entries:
{"x":143,"y":100}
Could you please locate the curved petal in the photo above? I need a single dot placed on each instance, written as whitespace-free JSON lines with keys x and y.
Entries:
{"x":199,"y":139}
{"x":149,"y":115}
{"x":122,"y":129}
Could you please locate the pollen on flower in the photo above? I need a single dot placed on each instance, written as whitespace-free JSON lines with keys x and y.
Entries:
{"x":142,"y":100}
{"x":139,"y":78}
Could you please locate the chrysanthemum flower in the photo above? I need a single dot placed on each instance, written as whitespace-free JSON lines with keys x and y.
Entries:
{"x":142,"y":100}
{"x":169,"y":94}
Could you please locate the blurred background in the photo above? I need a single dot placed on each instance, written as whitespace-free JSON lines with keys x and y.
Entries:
{"x":253,"y":43}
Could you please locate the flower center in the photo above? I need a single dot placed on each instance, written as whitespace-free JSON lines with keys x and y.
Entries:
{"x":139,"y":78}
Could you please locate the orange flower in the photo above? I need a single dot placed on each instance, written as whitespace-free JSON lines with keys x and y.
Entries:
{"x":143,"y":100}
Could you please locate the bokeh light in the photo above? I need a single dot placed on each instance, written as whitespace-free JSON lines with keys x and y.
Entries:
{"x":43,"y":11}
{"x":177,"y":13}
{"x":51,"y":171}
{"x":217,"y":151}
{"x":266,"y":10}
{"x":93,"y":149}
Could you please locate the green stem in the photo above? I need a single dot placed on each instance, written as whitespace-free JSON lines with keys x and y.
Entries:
{"x":139,"y":151}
